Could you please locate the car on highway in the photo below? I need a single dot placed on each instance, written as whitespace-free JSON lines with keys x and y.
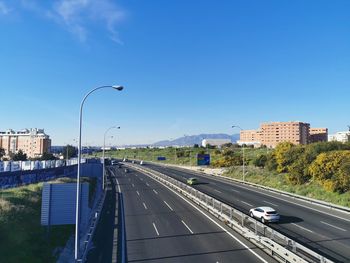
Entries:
{"x":265,"y":214}
{"x":192,"y":181}
{"x":114,"y":162}
{"x":141,"y":163}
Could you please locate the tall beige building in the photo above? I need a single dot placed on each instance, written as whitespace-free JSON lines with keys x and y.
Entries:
{"x":33,"y":142}
{"x":272,"y":133}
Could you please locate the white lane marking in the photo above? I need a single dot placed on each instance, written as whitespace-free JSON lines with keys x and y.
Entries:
{"x":252,"y":189}
{"x":189,"y":229}
{"x":118,"y":185}
{"x":133,"y":185}
{"x":144,"y":205}
{"x":138,"y":193}
{"x":270,"y":203}
{"x":246,"y":203}
{"x":155,"y":191}
{"x":147,"y":184}
{"x":168,"y":206}
{"x":337,"y":227}
{"x":302,"y":227}
{"x":233,"y":190}
{"x":155,"y":228}
{"x":212,"y":220}
{"x":218,"y":191}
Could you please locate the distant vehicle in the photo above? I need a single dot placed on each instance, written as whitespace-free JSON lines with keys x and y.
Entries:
{"x":133,"y":161}
{"x":126,"y":170}
{"x":192,"y":181}
{"x":265,"y":214}
{"x":114,"y":162}
{"x":141,"y":163}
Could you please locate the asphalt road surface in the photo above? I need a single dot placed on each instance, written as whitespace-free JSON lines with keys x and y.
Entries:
{"x":162,"y":226}
{"x":323,"y":230}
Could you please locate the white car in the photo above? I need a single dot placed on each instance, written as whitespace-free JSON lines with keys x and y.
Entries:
{"x":265,"y":214}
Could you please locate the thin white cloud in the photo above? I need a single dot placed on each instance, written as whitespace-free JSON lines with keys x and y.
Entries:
{"x":4,"y":9}
{"x":77,"y":15}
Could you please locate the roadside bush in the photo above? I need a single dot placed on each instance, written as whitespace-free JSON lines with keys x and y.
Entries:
{"x":332,"y":170}
{"x":260,"y":160}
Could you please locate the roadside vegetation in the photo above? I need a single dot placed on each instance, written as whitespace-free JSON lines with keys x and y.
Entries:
{"x":22,"y":238}
{"x":318,"y":170}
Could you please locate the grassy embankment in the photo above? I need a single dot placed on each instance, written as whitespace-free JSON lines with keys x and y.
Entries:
{"x":254,"y":174}
{"x":22,"y":238}
{"x":278,"y":181}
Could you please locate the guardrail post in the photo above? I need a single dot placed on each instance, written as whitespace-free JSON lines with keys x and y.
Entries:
{"x":221,"y":208}
{"x":231,"y":213}
{"x":213,"y":203}
{"x":243,"y":217}
{"x":256,"y":227}
{"x":294,"y":248}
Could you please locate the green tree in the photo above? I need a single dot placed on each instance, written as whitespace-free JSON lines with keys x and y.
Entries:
{"x":260,"y":160}
{"x":70,"y":150}
{"x":47,"y":156}
{"x":297,"y":172}
{"x":271,"y":163}
{"x":19,"y":156}
{"x":286,"y":154}
{"x":332,"y":170}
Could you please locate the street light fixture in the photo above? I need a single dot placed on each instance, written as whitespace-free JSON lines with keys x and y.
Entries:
{"x":103,"y":157}
{"x":243,"y":175}
{"x":76,"y":245}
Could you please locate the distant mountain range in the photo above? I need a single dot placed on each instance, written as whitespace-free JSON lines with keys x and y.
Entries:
{"x":196,"y":139}
{"x":182,"y":141}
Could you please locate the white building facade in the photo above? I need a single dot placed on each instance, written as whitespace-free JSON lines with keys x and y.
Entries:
{"x":343,"y":136}
{"x":215,"y":142}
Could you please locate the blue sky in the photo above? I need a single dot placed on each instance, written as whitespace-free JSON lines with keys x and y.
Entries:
{"x":188,"y":67}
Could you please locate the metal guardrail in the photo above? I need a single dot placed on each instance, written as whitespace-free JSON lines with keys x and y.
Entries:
{"x":95,"y":216}
{"x":279,"y":246}
{"x":280,"y":192}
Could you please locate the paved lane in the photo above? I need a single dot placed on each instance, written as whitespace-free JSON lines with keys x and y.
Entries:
{"x":323,"y":230}
{"x":161,"y":226}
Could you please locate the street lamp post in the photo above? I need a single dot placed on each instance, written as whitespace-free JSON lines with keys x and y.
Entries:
{"x":76,"y":245}
{"x":103,"y":155}
{"x":243,"y":175}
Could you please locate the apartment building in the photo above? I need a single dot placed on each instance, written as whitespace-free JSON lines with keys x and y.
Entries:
{"x":33,"y":142}
{"x":318,"y":135}
{"x":275,"y":132}
{"x":250,"y":137}
{"x":272,"y":133}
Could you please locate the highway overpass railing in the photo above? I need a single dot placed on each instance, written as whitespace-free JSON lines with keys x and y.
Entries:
{"x":276,"y":244}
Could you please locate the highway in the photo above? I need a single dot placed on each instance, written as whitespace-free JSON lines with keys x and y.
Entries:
{"x":162,"y":226}
{"x":325,"y":231}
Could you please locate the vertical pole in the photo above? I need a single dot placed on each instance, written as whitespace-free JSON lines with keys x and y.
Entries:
{"x":77,"y":214}
{"x":243,"y":164}
{"x":104,"y":167}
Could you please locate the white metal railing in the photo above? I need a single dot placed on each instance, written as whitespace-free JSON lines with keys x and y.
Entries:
{"x":279,"y":246}
{"x":13,"y":166}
